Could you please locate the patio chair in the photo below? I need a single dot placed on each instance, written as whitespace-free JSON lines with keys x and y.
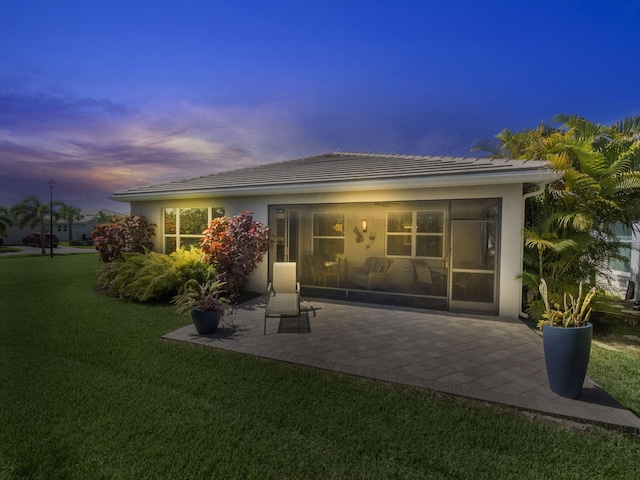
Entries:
{"x":433,"y":281}
{"x":316,"y":269}
{"x":423,"y":276}
{"x":283,"y":293}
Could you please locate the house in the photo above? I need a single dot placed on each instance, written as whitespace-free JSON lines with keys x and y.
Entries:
{"x":81,"y":229}
{"x":427,"y":231}
{"x":623,"y":275}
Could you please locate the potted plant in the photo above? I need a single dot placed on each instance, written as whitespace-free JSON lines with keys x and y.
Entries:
{"x":566,"y":337}
{"x":205,"y":303}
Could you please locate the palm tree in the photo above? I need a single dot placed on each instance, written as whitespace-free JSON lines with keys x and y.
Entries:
{"x":599,"y":190}
{"x":32,"y":212}
{"x":5,"y":221}
{"x":103,"y":217}
{"x":70,"y":214}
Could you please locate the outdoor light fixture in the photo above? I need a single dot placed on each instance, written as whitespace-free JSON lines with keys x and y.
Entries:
{"x":51,"y":184}
{"x":364,"y":226}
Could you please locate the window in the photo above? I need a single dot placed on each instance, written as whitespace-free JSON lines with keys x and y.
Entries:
{"x":623,"y":262}
{"x":184,"y":226}
{"x":418,"y":233}
{"x":328,"y":235}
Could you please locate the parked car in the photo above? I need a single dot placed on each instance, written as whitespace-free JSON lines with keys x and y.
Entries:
{"x":33,"y":240}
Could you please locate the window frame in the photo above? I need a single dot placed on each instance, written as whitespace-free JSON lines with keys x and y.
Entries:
{"x":212,"y":212}
{"x":315,"y":237}
{"x":413,"y":233}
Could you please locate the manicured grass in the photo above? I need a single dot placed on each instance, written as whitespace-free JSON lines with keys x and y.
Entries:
{"x":615,"y":365}
{"x":88,"y":389}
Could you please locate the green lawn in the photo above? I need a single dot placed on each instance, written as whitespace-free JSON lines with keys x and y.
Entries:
{"x":88,"y":389}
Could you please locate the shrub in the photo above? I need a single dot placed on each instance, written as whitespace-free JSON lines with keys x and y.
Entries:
{"x":153,"y":276}
{"x":155,"y":280}
{"x":235,"y":246}
{"x":190,"y":263}
{"x":124,"y":234}
{"x":117,"y":275}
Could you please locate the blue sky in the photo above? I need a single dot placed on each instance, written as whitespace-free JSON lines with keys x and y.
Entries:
{"x":106,"y":95}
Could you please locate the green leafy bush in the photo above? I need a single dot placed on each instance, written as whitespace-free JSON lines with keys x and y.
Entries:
{"x":190,"y":263}
{"x":153,"y":276}
{"x":156,"y":279}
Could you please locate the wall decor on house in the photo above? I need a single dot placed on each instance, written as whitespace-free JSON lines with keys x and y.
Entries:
{"x":359,"y":236}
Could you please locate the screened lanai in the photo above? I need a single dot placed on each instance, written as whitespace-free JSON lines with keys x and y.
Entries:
{"x":433,"y":254}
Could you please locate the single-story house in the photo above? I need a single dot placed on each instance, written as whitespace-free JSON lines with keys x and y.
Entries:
{"x":428,"y":231}
{"x":81,"y":229}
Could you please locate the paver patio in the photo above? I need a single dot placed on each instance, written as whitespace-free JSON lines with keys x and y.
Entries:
{"x":481,"y":357}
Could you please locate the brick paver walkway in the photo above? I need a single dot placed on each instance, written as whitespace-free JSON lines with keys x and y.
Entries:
{"x":486,"y":358}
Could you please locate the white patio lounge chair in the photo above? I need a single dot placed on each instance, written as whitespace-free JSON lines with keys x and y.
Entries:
{"x":283,"y":293}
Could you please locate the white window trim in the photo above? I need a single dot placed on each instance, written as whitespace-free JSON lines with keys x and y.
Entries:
{"x":177,"y":235}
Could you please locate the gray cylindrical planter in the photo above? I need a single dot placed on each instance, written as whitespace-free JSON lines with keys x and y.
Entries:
{"x":205,"y":322}
{"x":566,"y":355}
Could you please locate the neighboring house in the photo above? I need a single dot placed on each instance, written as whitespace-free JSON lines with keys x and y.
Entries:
{"x":623,"y":276}
{"x":81,"y":228}
{"x":432,"y":232}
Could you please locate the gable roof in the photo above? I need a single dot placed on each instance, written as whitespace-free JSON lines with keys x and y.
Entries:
{"x":344,"y":170}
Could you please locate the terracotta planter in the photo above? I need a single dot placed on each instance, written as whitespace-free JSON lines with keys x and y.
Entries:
{"x":205,"y":322}
{"x":566,"y":355}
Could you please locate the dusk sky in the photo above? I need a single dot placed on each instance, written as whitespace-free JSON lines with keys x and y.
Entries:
{"x":106,"y":95}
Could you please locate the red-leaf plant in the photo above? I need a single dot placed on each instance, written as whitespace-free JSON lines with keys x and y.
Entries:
{"x":235,"y":246}
{"x":124,"y":234}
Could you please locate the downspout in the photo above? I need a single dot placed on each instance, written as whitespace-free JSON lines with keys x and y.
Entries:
{"x":534,"y":193}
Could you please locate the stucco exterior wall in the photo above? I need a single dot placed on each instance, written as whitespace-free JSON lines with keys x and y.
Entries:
{"x":511,"y":225}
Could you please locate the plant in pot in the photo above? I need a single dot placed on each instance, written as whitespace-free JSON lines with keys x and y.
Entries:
{"x":566,"y":337}
{"x":205,"y":302}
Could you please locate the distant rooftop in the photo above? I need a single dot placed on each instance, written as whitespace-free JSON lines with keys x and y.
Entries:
{"x":339,"y":167}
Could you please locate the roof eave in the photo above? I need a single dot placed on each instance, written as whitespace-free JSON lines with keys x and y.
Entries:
{"x":532,"y":177}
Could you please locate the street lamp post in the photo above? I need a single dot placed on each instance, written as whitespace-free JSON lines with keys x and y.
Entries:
{"x":51,"y":184}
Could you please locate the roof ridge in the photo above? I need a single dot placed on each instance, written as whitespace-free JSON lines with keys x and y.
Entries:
{"x":406,"y":155}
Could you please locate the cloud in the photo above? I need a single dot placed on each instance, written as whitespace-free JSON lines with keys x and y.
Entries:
{"x":93,"y":147}
{"x":42,"y":110}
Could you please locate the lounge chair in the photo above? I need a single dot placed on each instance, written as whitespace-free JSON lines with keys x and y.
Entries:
{"x":283,"y":293}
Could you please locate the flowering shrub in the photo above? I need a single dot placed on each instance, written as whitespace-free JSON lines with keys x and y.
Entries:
{"x":124,"y":234}
{"x":235,"y":246}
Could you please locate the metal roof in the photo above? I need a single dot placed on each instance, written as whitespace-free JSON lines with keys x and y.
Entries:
{"x":344,"y":168}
